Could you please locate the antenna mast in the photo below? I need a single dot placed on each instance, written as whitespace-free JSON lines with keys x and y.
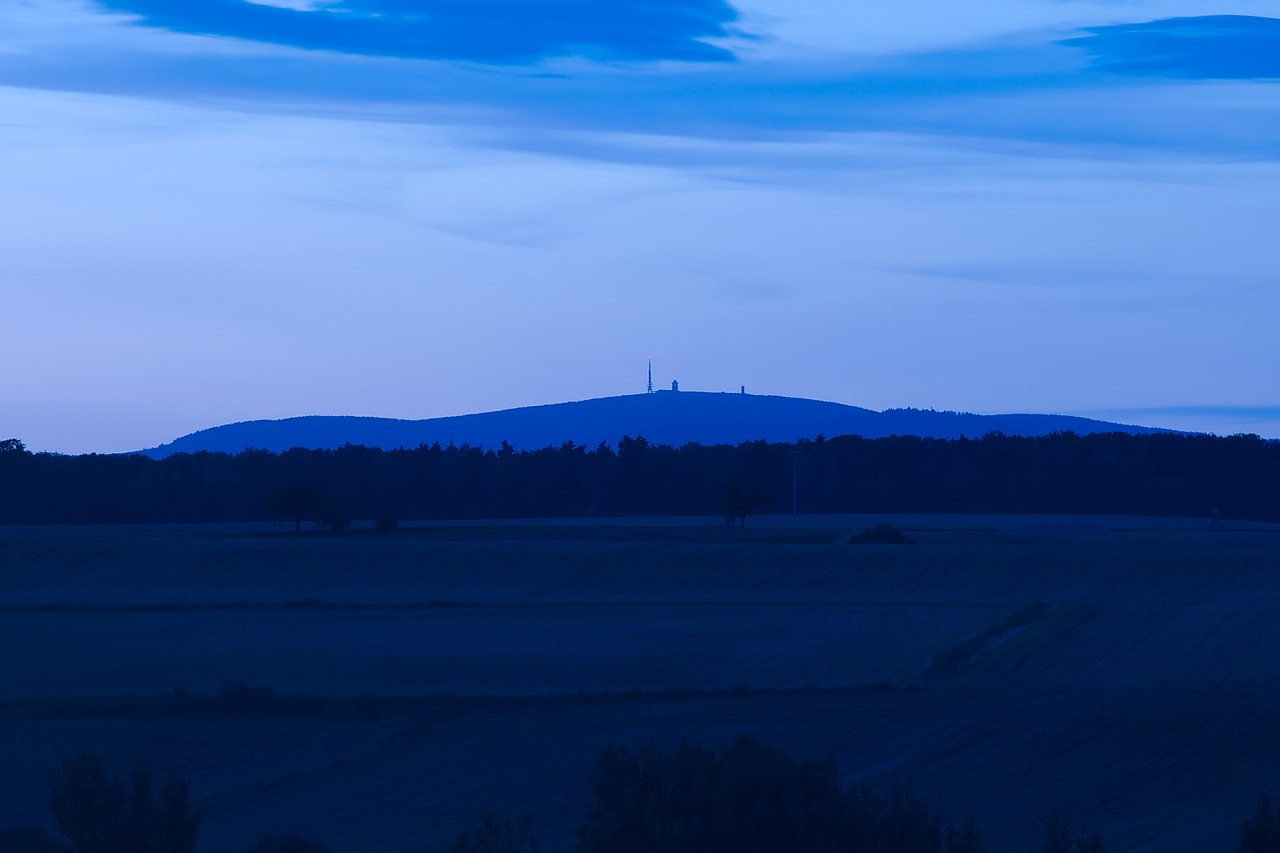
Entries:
{"x":650,"y":389}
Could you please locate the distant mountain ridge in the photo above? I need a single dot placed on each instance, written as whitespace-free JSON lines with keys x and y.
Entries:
{"x":664,"y":417}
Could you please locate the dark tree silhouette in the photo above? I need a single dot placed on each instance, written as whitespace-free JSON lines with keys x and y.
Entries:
{"x":287,"y":842}
{"x":1260,"y":833}
{"x":740,"y":499}
{"x":98,"y":813}
{"x":12,"y":445}
{"x":965,"y":839}
{"x":337,"y":512}
{"x":749,"y":798}
{"x":296,"y":503}
{"x":497,"y":836}
{"x":1058,"y":838}
{"x":1109,"y":473}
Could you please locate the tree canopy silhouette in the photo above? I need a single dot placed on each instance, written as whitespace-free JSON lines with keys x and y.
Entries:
{"x":1113,"y":473}
{"x":750,"y":798}
{"x":100,"y":813}
{"x":1260,"y":832}
{"x":739,"y":499}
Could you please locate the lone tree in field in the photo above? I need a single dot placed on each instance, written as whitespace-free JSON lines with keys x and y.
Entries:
{"x":98,"y":813}
{"x":296,"y":503}
{"x":740,"y":499}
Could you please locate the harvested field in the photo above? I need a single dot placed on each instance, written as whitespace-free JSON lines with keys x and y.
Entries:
{"x":1121,"y":671}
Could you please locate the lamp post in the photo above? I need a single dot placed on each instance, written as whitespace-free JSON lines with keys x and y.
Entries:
{"x":795,"y":456}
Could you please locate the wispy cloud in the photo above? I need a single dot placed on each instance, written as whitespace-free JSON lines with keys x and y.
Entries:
{"x":1218,"y":47}
{"x":1033,"y":94}
{"x":497,"y":31}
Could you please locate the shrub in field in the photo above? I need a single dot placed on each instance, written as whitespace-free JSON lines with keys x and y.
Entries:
{"x":946,"y":663}
{"x":98,"y":813}
{"x":287,"y":842}
{"x":1260,"y":833}
{"x":497,"y":836}
{"x":337,"y":512}
{"x":239,"y":697}
{"x":386,"y":524}
{"x":882,"y":534}
{"x":749,"y":798}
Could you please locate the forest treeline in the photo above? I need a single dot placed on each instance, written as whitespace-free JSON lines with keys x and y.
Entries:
{"x":1105,"y":473}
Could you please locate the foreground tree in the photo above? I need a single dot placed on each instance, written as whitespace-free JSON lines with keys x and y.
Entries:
{"x":749,"y":798}
{"x":1058,"y":838}
{"x":497,"y":836}
{"x":1260,"y":833}
{"x":287,"y":842}
{"x":98,"y":813}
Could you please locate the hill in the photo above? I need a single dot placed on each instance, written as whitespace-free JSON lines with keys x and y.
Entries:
{"x":666,"y":417}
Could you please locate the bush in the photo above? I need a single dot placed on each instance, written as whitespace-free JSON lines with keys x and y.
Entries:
{"x":749,"y":798}
{"x":947,"y":663}
{"x":98,"y":813}
{"x":386,"y":524}
{"x":337,"y":512}
{"x":882,"y":534}
{"x":239,"y":697}
{"x":497,"y":836}
{"x":288,"y":842}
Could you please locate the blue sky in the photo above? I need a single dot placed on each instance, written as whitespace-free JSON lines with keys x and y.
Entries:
{"x":219,"y":210}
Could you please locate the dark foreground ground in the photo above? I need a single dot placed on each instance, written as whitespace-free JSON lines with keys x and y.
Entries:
{"x":423,"y":679}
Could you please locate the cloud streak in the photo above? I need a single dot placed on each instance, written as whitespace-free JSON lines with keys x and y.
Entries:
{"x":493,"y":31}
{"x":1210,"y":47}
{"x":1034,"y":94}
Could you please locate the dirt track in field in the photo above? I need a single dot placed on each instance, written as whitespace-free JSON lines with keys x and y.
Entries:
{"x":1140,"y":699}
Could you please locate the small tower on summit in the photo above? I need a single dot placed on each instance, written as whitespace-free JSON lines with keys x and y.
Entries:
{"x":650,"y":389}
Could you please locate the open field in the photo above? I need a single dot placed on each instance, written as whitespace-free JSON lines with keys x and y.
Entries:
{"x":1139,"y":694}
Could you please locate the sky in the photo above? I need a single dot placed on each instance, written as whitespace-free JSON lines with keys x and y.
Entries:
{"x":223,"y":210}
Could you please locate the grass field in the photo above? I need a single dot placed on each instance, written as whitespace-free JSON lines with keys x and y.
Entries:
{"x":1121,"y":671}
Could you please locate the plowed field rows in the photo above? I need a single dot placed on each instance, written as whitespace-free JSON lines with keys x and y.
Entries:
{"x":1141,"y":698}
